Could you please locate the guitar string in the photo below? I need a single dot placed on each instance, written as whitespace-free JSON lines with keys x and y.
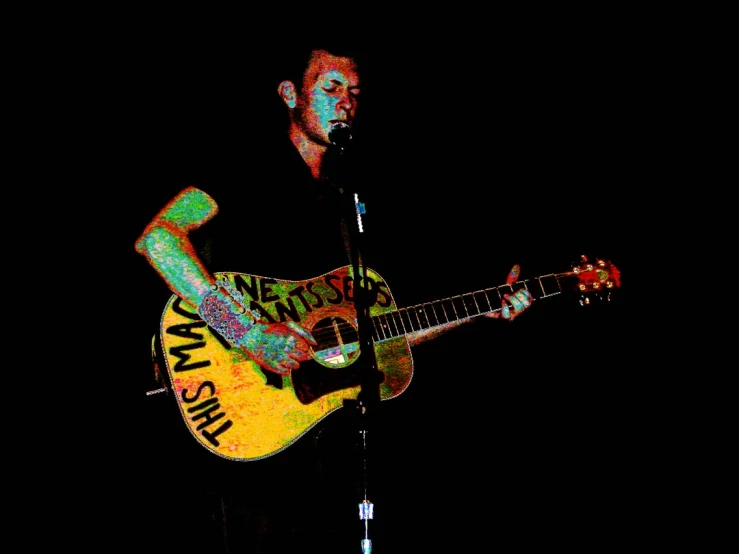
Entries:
{"x":430,"y":314}
{"x":422,"y":316}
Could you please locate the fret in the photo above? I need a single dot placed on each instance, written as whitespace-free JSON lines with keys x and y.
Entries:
{"x":375,"y":329}
{"x":482,"y":301}
{"x":537,"y":288}
{"x":428,"y":309}
{"x":519,"y":285}
{"x":415,"y":321}
{"x":383,"y":330}
{"x":422,"y":319}
{"x":549,"y":285}
{"x":398,"y":322}
{"x":499,"y":295}
{"x":505,"y":289}
{"x":460,"y":310}
{"x":470,"y":305}
{"x":448,"y":309}
{"x":406,"y":319}
{"x":439,"y":313}
{"x":389,"y":327}
{"x":486,"y":299}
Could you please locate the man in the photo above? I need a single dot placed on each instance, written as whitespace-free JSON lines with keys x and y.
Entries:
{"x":262,"y":230}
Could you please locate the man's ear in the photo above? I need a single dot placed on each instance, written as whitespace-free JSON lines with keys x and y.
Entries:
{"x":286,"y":90}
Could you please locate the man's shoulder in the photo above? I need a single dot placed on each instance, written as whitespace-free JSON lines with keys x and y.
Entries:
{"x":254,"y":171}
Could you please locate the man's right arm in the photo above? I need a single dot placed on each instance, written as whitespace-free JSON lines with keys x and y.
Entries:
{"x":166,"y":245}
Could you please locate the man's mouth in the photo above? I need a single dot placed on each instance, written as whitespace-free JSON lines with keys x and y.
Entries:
{"x":340,"y":133}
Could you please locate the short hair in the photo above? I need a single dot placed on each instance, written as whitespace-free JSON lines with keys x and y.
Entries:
{"x":293,"y":58}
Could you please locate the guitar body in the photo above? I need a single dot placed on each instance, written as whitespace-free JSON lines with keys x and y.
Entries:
{"x":241,"y":412}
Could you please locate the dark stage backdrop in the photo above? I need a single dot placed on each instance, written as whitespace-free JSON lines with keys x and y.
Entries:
{"x":486,"y":153}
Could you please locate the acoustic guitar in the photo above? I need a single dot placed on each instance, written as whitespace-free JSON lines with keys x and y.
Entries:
{"x":241,"y":412}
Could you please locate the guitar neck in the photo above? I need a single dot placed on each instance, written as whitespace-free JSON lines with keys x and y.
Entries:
{"x":462,"y":307}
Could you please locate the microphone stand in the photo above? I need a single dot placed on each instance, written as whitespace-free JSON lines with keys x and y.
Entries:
{"x":368,"y":399}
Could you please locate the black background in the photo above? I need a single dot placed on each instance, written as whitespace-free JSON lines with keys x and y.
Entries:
{"x":498,"y":148}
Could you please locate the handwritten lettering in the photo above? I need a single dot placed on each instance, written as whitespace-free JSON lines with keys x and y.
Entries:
{"x":207,"y":411}
{"x":247,"y":289}
{"x":265,"y":290}
{"x":318,"y":297}
{"x":280,"y":301}
{"x":339,"y":297}
{"x":179,"y":352}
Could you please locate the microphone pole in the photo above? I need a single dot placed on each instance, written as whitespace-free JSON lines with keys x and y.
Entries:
{"x":368,"y":398}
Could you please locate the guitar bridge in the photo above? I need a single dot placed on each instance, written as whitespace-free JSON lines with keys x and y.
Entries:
{"x":312,"y":380}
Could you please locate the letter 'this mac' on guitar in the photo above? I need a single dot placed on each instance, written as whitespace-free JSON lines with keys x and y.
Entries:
{"x":239,"y":411}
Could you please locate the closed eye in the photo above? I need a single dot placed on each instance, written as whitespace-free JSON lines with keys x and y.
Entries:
{"x":337,"y":86}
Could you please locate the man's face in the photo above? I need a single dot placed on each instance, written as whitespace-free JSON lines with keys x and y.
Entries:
{"x":330,"y":94}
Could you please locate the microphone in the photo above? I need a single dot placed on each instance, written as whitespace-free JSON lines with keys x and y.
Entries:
{"x":340,"y":135}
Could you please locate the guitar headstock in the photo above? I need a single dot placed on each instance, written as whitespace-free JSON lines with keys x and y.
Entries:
{"x":596,"y":280}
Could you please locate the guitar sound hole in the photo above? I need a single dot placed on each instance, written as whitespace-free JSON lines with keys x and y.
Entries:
{"x":338,"y":342}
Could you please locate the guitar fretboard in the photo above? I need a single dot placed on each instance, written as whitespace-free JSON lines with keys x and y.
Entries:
{"x":460,"y":307}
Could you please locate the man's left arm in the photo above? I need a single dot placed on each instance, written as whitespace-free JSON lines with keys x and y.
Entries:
{"x":512,"y":306}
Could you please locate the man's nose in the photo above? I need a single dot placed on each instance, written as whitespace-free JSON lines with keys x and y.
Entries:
{"x":345,"y":102}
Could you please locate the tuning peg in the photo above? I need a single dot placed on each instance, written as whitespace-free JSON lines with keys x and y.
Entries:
{"x":583,"y":265}
{"x":596,"y":296}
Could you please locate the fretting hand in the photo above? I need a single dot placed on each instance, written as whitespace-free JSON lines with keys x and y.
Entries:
{"x":513,"y":304}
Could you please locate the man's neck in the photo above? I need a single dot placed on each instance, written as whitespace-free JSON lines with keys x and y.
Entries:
{"x":311,"y":152}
